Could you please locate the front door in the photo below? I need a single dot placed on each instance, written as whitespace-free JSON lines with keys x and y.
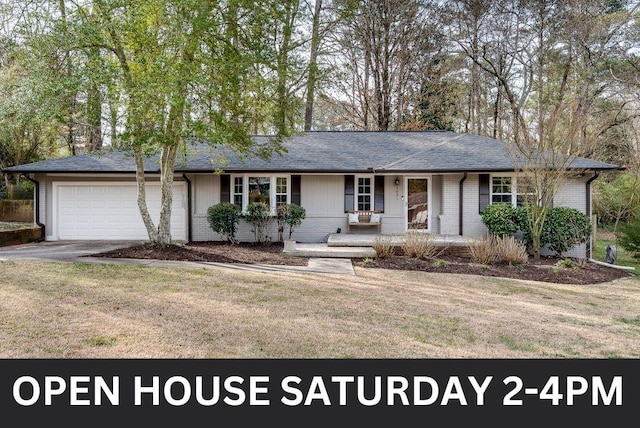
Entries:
{"x":418,"y":204}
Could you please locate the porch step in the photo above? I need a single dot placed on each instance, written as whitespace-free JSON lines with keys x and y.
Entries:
{"x":324,"y":250}
{"x":367,"y":240}
{"x":354,"y":240}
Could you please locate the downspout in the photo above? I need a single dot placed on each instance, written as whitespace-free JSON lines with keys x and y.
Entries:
{"x":588,"y":207}
{"x":189,"y":226}
{"x":36,"y":189}
{"x":460,"y":204}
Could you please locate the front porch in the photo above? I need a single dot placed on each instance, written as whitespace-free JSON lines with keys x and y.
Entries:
{"x":348,"y":245}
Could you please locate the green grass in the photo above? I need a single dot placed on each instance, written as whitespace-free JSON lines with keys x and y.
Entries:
{"x":624,"y":257}
{"x":634,"y":321}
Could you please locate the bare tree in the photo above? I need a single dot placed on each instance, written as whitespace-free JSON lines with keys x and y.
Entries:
{"x":312,"y":74}
{"x":381,"y":52}
{"x":547,"y":59}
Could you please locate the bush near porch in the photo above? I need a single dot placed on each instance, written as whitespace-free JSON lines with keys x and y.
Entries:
{"x":563,"y":229}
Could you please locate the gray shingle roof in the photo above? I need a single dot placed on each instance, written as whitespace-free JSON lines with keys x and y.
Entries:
{"x":340,"y":152}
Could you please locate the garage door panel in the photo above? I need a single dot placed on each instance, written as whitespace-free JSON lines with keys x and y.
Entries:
{"x":109,"y":211}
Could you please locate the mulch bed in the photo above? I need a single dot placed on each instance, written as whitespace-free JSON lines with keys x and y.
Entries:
{"x":545,"y":269}
{"x":219,"y":252}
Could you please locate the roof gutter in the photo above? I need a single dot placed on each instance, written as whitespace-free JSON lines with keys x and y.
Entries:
{"x":596,"y":174}
{"x":36,"y":189}
{"x":460,"y":204}
{"x":189,"y":225}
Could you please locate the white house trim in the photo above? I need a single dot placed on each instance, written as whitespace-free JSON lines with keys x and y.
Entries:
{"x":273,"y":179}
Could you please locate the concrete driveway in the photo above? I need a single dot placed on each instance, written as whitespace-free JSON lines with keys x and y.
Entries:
{"x":71,"y":251}
{"x":60,"y":250}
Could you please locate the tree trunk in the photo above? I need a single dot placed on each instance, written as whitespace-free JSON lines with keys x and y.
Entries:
{"x":94,"y":109}
{"x":313,"y":66}
{"x":142,"y":195}
{"x":168,"y":157}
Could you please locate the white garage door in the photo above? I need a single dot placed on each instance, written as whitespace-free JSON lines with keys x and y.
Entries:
{"x":109,"y":211}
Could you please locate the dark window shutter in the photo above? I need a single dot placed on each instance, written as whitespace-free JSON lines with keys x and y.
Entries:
{"x":295,"y":189}
{"x":348,"y":192}
{"x":484,"y":191}
{"x":378,"y":198}
{"x":225,"y":188}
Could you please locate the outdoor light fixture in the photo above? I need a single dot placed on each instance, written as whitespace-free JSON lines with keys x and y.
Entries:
{"x":397,"y":182}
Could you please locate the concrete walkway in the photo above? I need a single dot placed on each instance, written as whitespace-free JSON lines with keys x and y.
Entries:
{"x":327,"y":251}
{"x":81,"y":251}
{"x":352,"y":245}
{"x":367,"y":240}
{"x":315,"y":265}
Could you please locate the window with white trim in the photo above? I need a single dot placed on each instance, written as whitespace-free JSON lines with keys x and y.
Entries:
{"x":270,"y":189}
{"x":525,"y":191}
{"x":238,"y":191}
{"x":364,"y":193}
{"x":282,"y":193}
{"x":501,"y":190}
{"x":513,"y":190}
{"x":259,"y":189}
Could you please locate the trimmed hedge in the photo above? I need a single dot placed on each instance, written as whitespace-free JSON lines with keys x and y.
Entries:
{"x":563,"y":227}
{"x":223,"y":218}
{"x":500,"y":219}
{"x":290,"y":215}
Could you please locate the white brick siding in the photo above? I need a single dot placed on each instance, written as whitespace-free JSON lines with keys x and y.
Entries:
{"x":323,"y":198}
{"x":449,"y":222}
{"x":572,"y":193}
{"x":206,"y":192}
{"x":472,"y":222}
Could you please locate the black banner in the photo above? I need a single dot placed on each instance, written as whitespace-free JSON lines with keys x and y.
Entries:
{"x":309,"y":392}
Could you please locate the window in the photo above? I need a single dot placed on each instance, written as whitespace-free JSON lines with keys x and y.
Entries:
{"x":501,"y":190}
{"x":270,"y":189}
{"x":281,"y":191}
{"x":512,"y":190}
{"x":237,"y":194}
{"x":260,"y":190}
{"x":364,"y":193}
{"x":525,"y":191}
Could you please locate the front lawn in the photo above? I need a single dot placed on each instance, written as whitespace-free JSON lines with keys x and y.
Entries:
{"x":78,"y":310}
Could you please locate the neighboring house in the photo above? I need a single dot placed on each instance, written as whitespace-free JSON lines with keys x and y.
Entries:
{"x":435,"y":181}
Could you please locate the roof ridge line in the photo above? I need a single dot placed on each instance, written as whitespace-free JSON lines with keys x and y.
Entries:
{"x":426,"y":149}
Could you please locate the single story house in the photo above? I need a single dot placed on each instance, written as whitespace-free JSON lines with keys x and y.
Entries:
{"x":436,"y":181}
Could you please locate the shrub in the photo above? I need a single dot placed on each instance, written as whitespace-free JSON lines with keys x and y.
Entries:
{"x":259,"y":216}
{"x":418,"y":245}
{"x":384,"y":246}
{"x":566,"y":263}
{"x":510,"y":250}
{"x":223,"y":218}
{"x":291,"y":216}
{"x":500,"y":219}
{"x":629,"y":238}
{"x":565,"y":227}
{"x":482,"y":250}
